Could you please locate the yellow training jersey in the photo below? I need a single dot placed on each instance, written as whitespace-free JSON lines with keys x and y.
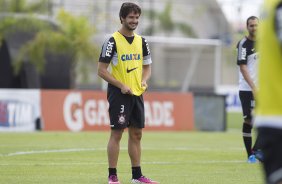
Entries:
{"x":269,"y":96}
{"x":129,"y":67}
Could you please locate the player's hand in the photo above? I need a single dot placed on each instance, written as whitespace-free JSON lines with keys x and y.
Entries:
{"x":144,"y":85}
{"x":126,"y":90}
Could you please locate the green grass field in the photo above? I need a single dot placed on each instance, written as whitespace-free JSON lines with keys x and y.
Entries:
{"x":169,"y":157}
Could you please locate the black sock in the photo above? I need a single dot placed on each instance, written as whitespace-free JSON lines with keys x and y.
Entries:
{"x":257,"y":144}
{"x":136,"y":172}
{"x":247,"y":137}
{"x":112,"y":171}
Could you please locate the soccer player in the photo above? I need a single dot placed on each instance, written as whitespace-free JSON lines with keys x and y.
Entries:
{"x":247,"y":59}
{"x":130,"y":59}
{"x":269,"y":97}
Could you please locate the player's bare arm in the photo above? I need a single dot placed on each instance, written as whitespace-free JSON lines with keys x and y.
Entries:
{"x":146,"y":75}
{"x":105,"y":74}
{"x":245,"y":72}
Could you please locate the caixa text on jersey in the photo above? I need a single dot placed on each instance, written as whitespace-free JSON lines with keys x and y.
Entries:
{"x":127,"y":57}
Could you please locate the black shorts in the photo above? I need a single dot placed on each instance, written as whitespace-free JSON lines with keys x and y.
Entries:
{"x":248,"y":104}
{"x":125,"y":110}
{"x":271,"y":146}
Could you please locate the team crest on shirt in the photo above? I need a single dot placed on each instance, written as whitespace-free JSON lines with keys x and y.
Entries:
{"x":121,"y":119}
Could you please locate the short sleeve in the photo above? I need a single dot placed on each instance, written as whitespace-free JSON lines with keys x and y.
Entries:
{"x":108,"y":50}
{"x":146,"y":52}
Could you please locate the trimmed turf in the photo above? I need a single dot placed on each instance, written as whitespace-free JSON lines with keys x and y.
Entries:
{"x":169,"y":157}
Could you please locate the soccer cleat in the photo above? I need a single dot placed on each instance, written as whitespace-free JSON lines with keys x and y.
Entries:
{"x":252,"y":159}
{"x":113,"y":179}
{"x":259,"y":155}
{"x":144,"y":180}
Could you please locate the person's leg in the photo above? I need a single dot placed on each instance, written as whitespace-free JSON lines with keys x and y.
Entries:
{"x":137,"y":123}
{"x":271,"y":146}
{"x":118,"y":112}
{"x":247,"y":102}
{"x":113,"y":150}
{"x":134,"y":150}
{"x":247,"y":136}
{"x":257,"y":149}
{"x":257,"y":144}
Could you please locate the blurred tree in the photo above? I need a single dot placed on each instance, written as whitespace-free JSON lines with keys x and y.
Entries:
{"x":10,"y":7}
{"x":73,"y":38}
{"x":68,"y":35}
{"x":164,"y":22}
{"x":22,"y":6}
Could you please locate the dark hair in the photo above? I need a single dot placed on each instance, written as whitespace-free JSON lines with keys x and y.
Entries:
{"x":251,"y":18}
{"x":127,"y":8}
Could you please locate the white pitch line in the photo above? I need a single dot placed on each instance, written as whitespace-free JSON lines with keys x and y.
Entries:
{"x":197,"y":162}
{"x":53,"y":151}
{"x":104,"y":149}
{"x":51,"y":164}
{"x":145,"y":163}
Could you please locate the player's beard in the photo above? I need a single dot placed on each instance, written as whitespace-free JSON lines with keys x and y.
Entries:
{"x":131,"y":28}
{"x":253,"y":34}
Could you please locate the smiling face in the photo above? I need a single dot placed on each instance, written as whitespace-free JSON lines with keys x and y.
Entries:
{"x":130,"y":22}
{"x":129,"y":16}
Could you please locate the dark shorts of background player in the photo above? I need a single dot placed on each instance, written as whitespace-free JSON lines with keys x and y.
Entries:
{"x":247,"y":101}
{"x":271,"y":146}
{"x":125,"y":110}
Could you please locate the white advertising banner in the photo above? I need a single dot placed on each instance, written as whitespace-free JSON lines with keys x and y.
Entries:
{"x":19,"y":109}
{"x":233,"y":103}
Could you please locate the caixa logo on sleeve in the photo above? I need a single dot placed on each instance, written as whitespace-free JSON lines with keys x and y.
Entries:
{"x":15,"y":113}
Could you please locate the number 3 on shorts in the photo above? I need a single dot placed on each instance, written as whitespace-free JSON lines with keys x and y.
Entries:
{"x":121,"y":108}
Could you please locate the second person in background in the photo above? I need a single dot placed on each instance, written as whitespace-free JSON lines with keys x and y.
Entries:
{"x":247,"y":60}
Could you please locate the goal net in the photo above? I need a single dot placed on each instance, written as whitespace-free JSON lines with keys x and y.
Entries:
{"x":185,"y":64}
